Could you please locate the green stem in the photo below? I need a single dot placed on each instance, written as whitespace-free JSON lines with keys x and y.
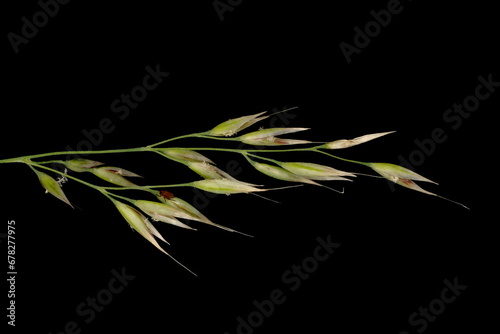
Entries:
{"x":51,"y":162}
{"x":198,"y":135}
{"x":249,"y":151}
{"x":303,"y":149}
{"x":23,"y":159}
{"x":215,"y":149}
{"x":148,"y":188}
{"x":192,"y":135}
{"x":204,"y":135}
{"x":12,"y":160}
{"x":124,"y":150}
{"x":237,"y":150}
{"x":343,"y":159}
{"x":259,"y":157}
{"x":148,"y":148}
{"x":111,"y":195}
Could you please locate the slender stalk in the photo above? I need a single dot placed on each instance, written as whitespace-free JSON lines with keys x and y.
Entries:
{"x":111,"y":195}
{"x":260,"y":157}
{"x":339,"y":158}
{"x":35,"y":156}
{"x":192,"y":135}
{"x":239,"y":150}
{"x":148,"y":148}
{"x":215,"y":149}
{"x":145,"y":188}
{"x":219,"y":138}
{"x":50,"y":162}
{"x":244,"y":151}
{"x":12,"y":160}
{"x":175,"y":138}
{"x":152,"y":148}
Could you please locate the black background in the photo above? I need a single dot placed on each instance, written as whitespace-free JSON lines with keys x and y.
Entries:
{"x":397,"y":247}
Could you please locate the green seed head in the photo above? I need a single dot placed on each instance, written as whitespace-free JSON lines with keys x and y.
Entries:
{"x":267,"y":137}
{"x":207,"y":171}
{"x":226,"y":187}
{"x":115,"y":175}
{"x":345,"y":143}
{"x":140,"y":223}
{"x":52,"y":186}
{"x":232,"y":126}
{"x":395,"y":172}
{"x":315,"y":171}
{"x":162,"y":212}
{"x":185,"y":156}
{"x":81,"y":165}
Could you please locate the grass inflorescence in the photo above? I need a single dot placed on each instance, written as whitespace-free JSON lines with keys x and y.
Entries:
{"x":167,"y":208}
